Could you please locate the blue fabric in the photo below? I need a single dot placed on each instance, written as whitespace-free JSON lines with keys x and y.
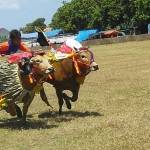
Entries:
{"x":85,"y":34}
{"x":34,"y":35}
{"x":148,"y":28}
{"x":53,"y":33}
{"x":11,"y":49}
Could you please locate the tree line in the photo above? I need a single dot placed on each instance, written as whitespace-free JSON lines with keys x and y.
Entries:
{"x":102,"y":14}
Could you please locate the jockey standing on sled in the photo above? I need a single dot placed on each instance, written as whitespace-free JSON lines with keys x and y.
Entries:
{"x":14,"y":44}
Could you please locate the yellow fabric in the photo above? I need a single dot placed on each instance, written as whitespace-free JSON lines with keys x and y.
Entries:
{"x":3,"y":103}
{"x":51,"y":57}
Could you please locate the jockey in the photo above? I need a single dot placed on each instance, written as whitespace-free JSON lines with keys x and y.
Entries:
{"x":14,"y":44}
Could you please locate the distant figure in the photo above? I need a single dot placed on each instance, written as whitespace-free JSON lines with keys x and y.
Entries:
{"x":13,"y":44}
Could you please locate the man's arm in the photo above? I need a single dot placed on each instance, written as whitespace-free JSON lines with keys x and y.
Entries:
{"x":24,"y":48}
{"x":3,"y":47}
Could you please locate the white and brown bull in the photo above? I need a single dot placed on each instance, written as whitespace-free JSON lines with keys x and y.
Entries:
{"x":20,"y":81}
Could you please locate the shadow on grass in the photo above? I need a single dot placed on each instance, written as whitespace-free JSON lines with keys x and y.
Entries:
{"x":16,"y":124}
{"x":68,"y":115}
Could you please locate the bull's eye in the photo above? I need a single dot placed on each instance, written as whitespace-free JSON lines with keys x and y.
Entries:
{"x":49,"y":61}
{"x":38,"y":61}
{"x":83,"y":56}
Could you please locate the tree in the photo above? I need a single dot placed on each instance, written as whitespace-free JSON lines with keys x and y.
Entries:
{"x":3,"y":38}
{"x":77,"y":15}
{"x":141,"y":17}
{"x":81,"y":14}
{"x":30,"y":27}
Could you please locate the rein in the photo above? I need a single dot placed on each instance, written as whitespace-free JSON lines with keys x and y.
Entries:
{"x":33,"y":78}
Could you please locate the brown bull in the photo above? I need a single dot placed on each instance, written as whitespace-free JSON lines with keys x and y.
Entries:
{"x":19,"y":82}
{"x":69,"y":74}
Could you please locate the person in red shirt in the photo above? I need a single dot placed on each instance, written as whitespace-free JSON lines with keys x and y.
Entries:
{"x":14,"y":44}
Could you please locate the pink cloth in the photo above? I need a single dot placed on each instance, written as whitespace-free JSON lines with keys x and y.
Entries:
{"x":64,"y":49}
{"x":14,"y":58}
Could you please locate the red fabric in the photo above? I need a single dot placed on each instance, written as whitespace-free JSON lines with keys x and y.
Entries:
{"x":64,"y":49}
{"x":14,"y":58}
{"x":4,"y":47}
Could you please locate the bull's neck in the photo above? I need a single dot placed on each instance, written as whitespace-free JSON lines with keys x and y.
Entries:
{"x":31,"y":80}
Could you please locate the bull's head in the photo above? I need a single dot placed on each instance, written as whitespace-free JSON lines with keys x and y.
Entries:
{"x":85,"y":59}
{"x":41,"y":64}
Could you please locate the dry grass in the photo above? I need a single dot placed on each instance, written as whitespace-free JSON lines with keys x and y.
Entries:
{"x":112,"y":113}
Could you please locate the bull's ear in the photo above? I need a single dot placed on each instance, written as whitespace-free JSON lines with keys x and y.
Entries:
{"x":24,"y":61}
{"x":25,"y":66}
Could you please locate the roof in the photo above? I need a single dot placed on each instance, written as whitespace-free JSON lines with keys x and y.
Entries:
{"x":29,"y":35}
{"x":108,"y":32}
{"x":85,"y":34}
{"x":34,"y":35}
{"x":53,"y":33}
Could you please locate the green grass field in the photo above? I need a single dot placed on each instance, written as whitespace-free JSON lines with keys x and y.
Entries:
{"x":112,"y":112}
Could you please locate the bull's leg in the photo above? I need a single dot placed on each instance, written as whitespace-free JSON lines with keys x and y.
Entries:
{"x":67,"y":100}
{"x":26,"y":103}
{"x":75,"y":93}
{"x":18,"y":111}
{"x":60,"y":100}
{"x":11,"y":109}
{"x":74,"y":88}
{"x":44,"y":98}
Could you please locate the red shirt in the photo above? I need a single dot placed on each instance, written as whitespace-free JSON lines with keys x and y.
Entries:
{"x":5,"y":46}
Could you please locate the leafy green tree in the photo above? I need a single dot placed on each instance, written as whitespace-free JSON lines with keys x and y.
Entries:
{"x":30,"y":27}
{"x":3,"y":38}
{"x":142,"y":14}
{"x":81,"y":14}
{"x":77,"y":15}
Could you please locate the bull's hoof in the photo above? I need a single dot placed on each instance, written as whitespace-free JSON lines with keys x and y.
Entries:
{"x":18,"y":111}
{"x":68,"y":104}
{"x":60,"y":112}
{"x":24,"y":123}
{"x":74,"y":99}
